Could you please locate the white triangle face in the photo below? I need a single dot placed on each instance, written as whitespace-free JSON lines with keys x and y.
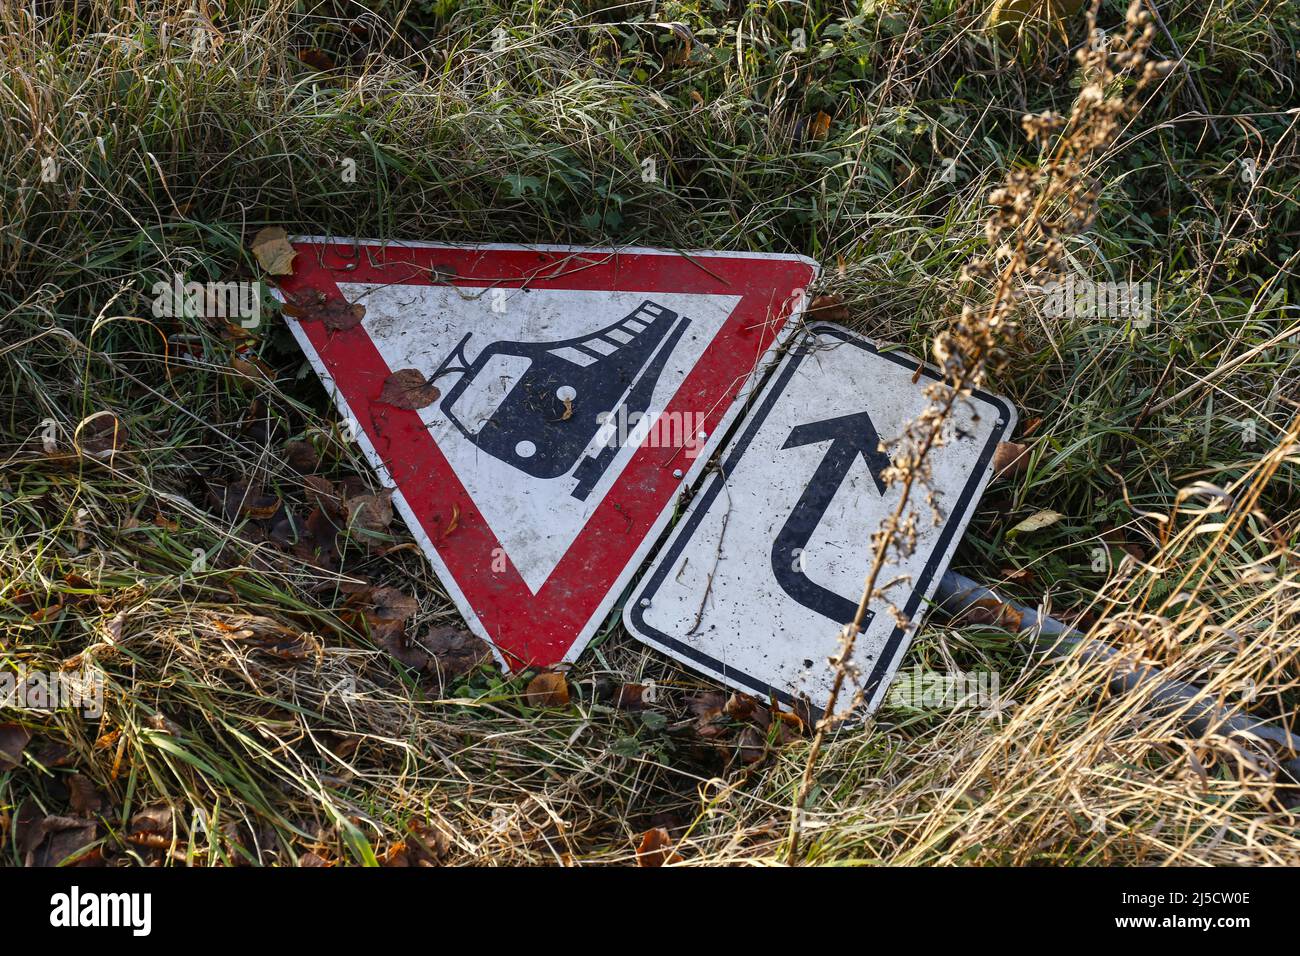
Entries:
{"x":535,"y":518}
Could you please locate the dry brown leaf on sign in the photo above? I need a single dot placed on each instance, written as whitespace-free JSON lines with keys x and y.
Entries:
{"x":1010,"y":460}
{"x":1036,"y":522}
{"x":548,"y":689}
{"x":455,"y":519}
{"x":338,"y":315}
{"x":100,"y":435}
{"x":656,"y":848}
{"x":83,"y":798}
{"x":273,"y":251}
{"x":373,"y":513}
{"x":409,"y":388}
{"x":14,"y":739}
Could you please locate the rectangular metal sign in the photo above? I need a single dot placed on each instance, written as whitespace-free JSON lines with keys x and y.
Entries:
{"x":769,"y":560}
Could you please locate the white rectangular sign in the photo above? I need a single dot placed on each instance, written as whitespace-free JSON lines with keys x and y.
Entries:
{"x":769,"y":559}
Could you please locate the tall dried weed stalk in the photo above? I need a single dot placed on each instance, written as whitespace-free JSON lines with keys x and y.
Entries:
{"x":1038,"y":208}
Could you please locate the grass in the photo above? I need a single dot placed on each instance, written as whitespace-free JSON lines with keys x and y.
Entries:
{"x":243,"y":698}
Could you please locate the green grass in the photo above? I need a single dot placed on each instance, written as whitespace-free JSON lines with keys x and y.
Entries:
{"x":169,"y":160}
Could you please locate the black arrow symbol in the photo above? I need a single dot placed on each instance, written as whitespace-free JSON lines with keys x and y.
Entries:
{"x":850,"y":436}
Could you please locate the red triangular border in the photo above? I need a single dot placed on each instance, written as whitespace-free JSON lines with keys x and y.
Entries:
{"x":554,"y":624}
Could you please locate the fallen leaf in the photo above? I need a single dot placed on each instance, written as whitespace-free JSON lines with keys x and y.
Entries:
{"x":1016,"y":575}
{"x":1036,"y":522}
{"x":259,"y":506}
{"x":455,"y":519}
{"x":54,"y":753}
{"x":100,"y":434}
{"x":164,"y":724}
{"x":68,"y":837}
{"x":455,"y":651}
{"x":316,"y":58}
{"x":47,"y":613}
{"x":29,"y":830}
{"x":14,"y":739}
{"x":631,"y":697}
{"x":1010,"y":459}
{"x":167,"y":524}
{"x":827,"y":308}
{"x":82,"y":795}
{"x":338,"y":315}
{"x":302,"y":455}
{"x":373,"y":513}
{"x":273,"y":251}
{"x":819,"y":126}
{"x":740,"y":706}
{"x":156,"y":819}
{"x":994,"y":613}
{"x":792,"y":725}
{"x":322,"y":493}
{"x":425,"y":844}
{"x":548,"y":689}
{"x":319,"y":541}
{"x":707,"y":705}
{"x":409,"y":388}
{"x":655,"y":848}
{"x":391,"y":604}
{"x":392,"y":640}
{"x":750,"y":746}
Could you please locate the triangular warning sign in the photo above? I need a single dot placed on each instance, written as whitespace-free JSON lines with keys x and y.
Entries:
{"x":577,"y":392}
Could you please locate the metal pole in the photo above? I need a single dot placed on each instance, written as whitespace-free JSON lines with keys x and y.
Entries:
{"x":1201,"y":716}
